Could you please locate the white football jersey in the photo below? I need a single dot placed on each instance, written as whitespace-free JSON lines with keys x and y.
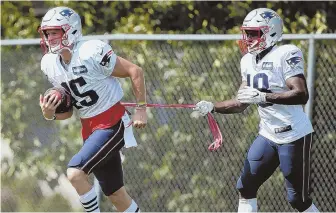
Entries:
{"x":87,"y":77}
{"x":279,"y":123}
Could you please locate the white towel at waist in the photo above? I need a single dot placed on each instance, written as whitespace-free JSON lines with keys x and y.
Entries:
{"x":128,"y":133}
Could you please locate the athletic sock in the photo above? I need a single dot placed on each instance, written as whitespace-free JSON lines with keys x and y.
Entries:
{"x":312,"y":208}
{"x":248,"y":205}
{"x":133,"y":207}
{"x":89,"y":201}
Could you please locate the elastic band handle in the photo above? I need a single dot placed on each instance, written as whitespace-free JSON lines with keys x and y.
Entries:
{"x":213,"y":125}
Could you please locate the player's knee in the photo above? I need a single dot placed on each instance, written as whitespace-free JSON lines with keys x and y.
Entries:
{"x":297,"y":202}
{"x":75,"y":175}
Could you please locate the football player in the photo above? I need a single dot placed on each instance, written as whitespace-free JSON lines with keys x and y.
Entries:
{"x":88,"y":70}
{"x":273,"y":78}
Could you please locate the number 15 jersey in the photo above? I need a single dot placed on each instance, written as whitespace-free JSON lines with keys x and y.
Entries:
{"x":87,"y":77}
{"x":279,"y":123}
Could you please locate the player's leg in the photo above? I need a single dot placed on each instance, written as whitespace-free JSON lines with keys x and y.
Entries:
{"x":260,"y":163}
{"x":110,"y":177}
{"x":295,"y":166}
{"x":94,"y":151}
{"x":109,"y":173}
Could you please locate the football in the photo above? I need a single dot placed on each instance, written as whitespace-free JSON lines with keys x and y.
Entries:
{"x":62,"y":94}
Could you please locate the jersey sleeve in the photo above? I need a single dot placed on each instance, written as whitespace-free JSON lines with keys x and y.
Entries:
{"x":243,"y":69}
{"x":105,"y":59}
{"x":293,"y":63}
{"x":44,"y":67}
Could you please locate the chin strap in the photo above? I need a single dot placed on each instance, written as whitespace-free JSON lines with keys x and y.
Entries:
{"x":213,"y":125}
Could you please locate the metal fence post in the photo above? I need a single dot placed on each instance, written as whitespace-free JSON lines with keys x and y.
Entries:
{"x":310,"y":77}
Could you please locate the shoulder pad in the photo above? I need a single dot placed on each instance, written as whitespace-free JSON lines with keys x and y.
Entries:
{"x":94,"y":49}
{"x":47,"y":59}
{"x":288,"y":50}
{"x":245,"y":58}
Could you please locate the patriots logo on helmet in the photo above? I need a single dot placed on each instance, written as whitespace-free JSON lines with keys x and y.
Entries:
{"x":294,"y":61}
{"x":267,"y":16}
{"x":66,"y":13}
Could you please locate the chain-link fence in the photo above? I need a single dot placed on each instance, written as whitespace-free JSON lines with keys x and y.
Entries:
{"x":171,"y":169}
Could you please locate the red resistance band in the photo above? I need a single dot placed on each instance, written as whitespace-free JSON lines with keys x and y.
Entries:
{"x":213,"y":125}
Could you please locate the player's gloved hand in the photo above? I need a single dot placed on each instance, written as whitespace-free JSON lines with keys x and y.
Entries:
{"x":140,"y":117}
{"x":249,"y":95}
{"x":49,"y":104}
{"x":204,"y":107}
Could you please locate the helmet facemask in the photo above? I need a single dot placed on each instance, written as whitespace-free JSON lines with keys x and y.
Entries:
{"x":56,"y":44}
{"x":255,"y":38}
{"x":262,"y":28}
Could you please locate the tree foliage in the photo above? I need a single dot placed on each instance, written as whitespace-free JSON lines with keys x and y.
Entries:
{"x":19,"y":19}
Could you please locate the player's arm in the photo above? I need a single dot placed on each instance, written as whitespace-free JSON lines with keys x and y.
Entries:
{"x":298,"y":93}
{"x":49,"y":103}
{"x":123,"y":69}
{"x":112,"y":65}
{"x":230,"y":106}
{"x":225,"y":107}
{"x":48,"y":106}
{"x":293,"y":69}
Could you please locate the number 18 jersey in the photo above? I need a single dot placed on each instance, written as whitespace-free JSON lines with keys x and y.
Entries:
{"x":279,"y":123}
{"x":87,"y":77}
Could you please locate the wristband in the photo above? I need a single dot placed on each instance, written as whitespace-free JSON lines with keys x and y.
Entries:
{"x":141,"y":104}
{"x":50,"y":119}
